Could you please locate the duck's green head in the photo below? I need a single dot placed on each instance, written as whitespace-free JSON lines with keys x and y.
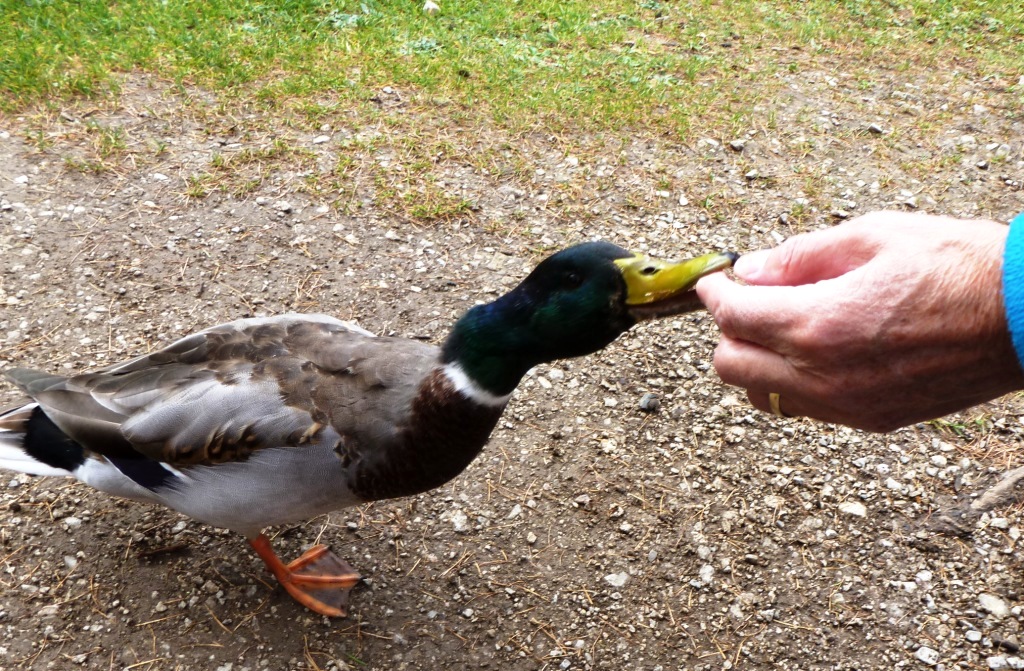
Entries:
{"x":574,"y":303}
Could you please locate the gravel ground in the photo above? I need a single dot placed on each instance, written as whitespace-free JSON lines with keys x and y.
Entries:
{"x":696,"y":533}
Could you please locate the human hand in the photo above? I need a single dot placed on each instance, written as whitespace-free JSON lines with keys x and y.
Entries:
{"x":888,"y":319}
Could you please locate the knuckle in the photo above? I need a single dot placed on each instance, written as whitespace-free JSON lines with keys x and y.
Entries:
{"x":788,"y":255}
{"x":809,"y":337}
{"x":726,"y":362}
{"x":725,"y":317}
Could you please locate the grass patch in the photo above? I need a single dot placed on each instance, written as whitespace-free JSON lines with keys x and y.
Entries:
{"x":555,"y":62}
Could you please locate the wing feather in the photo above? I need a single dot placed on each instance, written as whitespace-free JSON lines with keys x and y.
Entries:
{"x":223,"y":393}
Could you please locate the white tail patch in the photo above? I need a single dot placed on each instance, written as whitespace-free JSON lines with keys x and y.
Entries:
{"x":468,"y":387}
{"x":13,"y":458}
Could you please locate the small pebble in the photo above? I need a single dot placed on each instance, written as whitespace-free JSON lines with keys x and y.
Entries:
{"x":855,"y":508}
{"x":650,"y":403}
{"x":459,"y":520}
{"x":927,"y":655}
{"x":994,"y":605}
{"x":616,"y":579}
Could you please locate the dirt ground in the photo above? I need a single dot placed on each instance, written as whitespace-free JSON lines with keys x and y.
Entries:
{"x":590,"y":534}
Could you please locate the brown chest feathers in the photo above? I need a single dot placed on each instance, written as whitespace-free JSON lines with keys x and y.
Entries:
{"x":445,"y":432}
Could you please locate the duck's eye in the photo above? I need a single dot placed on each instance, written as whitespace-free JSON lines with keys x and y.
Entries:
{"x":572,"y":280}
{"x":649,"y":270}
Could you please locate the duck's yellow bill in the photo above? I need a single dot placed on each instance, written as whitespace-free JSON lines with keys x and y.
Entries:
{"x":651,"y":280}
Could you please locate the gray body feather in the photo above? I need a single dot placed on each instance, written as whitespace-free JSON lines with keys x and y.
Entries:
{"x":244,"y":425}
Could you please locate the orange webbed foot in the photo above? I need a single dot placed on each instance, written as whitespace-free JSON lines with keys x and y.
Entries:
{"x":319,"y":579}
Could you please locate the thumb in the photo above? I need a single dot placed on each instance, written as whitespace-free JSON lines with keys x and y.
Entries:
{"x":715,"y":290}
{"x":807,"y":258}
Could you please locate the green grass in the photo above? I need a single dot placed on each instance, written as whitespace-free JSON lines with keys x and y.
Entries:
{"x":558,"y":62}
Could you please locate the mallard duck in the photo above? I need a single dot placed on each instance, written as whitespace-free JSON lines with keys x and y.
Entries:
{"x":267,"y":421}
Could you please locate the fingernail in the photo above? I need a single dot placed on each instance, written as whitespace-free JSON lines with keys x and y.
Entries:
{"x":749,"y":266}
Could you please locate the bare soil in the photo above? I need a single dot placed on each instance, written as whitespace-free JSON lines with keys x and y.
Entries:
{"x":590,"y":534}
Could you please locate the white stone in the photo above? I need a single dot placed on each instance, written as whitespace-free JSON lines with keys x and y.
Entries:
{"x":459,"y":520}
{"x":855,"y":508}
{"x":927,"y":655}
{"x":993,"y":604}
{"x":617,"y":579}
{"x":48,"y":611}
{"x":320,"y":139}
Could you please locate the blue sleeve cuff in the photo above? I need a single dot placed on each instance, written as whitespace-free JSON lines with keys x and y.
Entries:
{"x":1013,"y":284}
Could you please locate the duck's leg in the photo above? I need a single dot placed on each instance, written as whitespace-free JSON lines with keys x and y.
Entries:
{"x":319,"y":579}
